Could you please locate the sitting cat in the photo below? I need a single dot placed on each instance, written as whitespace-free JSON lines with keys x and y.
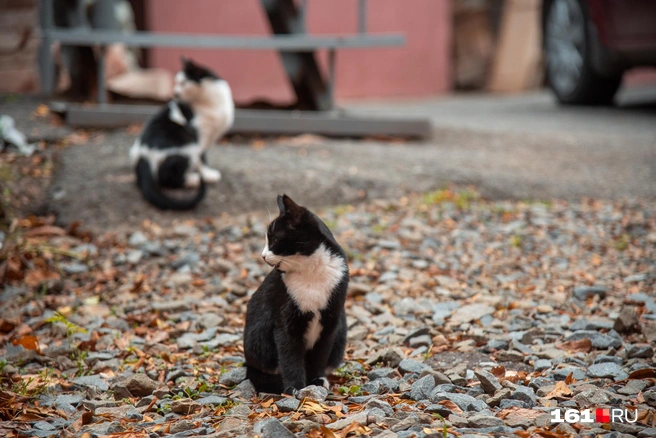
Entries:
{"x":295,"y":322}
{"x":170,"y":152}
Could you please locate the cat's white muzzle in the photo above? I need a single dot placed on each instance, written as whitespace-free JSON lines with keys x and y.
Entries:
{"x":270,"y":258}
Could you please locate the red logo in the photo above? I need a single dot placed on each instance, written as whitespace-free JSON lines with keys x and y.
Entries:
{"x":602,"y":415}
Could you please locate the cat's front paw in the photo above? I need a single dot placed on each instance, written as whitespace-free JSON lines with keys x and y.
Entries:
{"x":210,"y":175}
{"x":321,"y":381}
{"x":291,"y":391}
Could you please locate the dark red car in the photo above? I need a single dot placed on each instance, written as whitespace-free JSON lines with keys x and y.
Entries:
{"x":589,"y":44}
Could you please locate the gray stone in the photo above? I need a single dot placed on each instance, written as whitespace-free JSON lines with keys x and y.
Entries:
{"x":134,"y":256}
{"x":74,"y":268}
{"x":470,"y":312}
{"x":389,"y":385}
{"x":71,"y":399}
{"x":422,"y":388}
{"x":185,"y":406}
{"x":390,"y":356}
{"x":605,"y":358}
{"x":605,"y":369}
{"x":643,"y":351}
{"x":585,"y":292}
{"x":591,"y":398}
{"x":137,"y":238}
{"x":412,"y":366}
{"x":463,"y":401}
{"x":498,"y":397}
{"x":525,"y":394}
{"x":288,"y":404}
{"x":378,"y":373}
{"x":210,"y":320}
{"x":382,"y":405}
{"x":89,"y":381}
{"x":420,"y":331}
{"x":420,"y":341}
{"x":182,"y":426}
{"x":489,"y":383}
{"x":140,"y":385}
{"x":542,"y":364}
{"x":272,"y":428}
{"x":313,"y":392}
{"x":342,"y":423}
{"x":599,"y":340}
{"x":481,"y":420}
{"x":245,"y":390}
{"x":562,"y":373}
{"x":497,"y":344}
{"x":627,"y":321}
{"x":171,"y":306}
{"x":189,"y":259}
{"x":233,"y":377}
{"x":510,"y":356}
{"x":374,"y":387}
{"x":212,"y":400}
{"x":647,"y":433}
{"x":508,"y":403}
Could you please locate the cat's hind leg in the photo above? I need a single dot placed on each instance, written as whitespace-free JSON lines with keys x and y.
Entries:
{"x":336,"y":356}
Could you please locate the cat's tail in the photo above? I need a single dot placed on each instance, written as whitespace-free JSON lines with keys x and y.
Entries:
{"x":152,"y":192}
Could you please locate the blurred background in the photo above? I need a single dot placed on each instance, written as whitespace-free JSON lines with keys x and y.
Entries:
{"x":451,"y":45}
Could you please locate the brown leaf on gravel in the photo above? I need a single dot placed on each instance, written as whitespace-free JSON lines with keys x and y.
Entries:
{"x":46,"y":230}
{"x":499,"y":371}
{"x":450,"y":406}
{"x":561,"y":390}
{"x":526,"y":413}
{"x":645,"y":373}
{"x":581,"y":346}
{"x":28,"y":342}
{"x":570,"y":378}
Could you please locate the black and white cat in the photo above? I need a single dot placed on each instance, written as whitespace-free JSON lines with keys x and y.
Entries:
{"x":170,"y":152}
{"x":295,"y":331}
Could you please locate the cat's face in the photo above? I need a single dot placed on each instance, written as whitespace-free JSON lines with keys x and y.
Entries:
{"x":293,"y":233}
{"x":192,"y":81}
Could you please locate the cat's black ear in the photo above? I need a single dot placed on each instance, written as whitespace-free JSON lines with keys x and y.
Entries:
{"x":184,"y":60}
{"x":281,"y":204}
{"x":291,"y":208}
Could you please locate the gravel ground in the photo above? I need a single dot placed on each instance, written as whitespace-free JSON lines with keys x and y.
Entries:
{"x":475,"y":317}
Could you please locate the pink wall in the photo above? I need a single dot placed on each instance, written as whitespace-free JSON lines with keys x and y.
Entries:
{"x":419,"y":68}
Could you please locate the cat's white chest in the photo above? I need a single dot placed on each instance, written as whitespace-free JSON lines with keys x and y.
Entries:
{"x":313,"y":331}
{"x":312,"y":279}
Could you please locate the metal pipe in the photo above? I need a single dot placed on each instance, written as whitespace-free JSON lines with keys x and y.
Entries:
{"x":102,"y":89}
{"x":331,"y":79}
{"x":46,"y":62}
{"x":302,"y":13}
{"x":362,"y":16}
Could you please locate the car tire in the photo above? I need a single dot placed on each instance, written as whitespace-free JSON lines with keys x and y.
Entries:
{"x":568,"y":56}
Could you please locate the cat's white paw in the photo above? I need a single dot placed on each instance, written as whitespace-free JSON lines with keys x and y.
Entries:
{"x":321,"y":381}
{"x":192,"y":180}
{"x":210,"y":175}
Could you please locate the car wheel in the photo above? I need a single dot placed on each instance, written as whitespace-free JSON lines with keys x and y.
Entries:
{"x":567,"y":49}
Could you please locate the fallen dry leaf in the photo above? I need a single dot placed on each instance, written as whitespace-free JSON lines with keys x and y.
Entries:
{"x":561,"y":390}
{"x":28,"y":342}
{"x":581,"y":346}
